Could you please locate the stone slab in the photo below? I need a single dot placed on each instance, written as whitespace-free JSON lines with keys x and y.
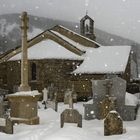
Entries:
{"x":71,"y":116}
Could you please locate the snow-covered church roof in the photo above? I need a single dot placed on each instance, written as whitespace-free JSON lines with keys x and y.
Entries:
{"x":105,"y":59}
{"x":62,"y":43}
{"x":48,"y":49}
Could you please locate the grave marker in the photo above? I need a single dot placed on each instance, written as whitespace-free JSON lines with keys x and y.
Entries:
{"x":113,"y":124}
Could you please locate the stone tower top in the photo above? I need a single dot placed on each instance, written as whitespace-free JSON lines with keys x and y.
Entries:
{"x":87,"y":27}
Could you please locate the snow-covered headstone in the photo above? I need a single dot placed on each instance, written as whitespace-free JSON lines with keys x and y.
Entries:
{"x":113,"y":124}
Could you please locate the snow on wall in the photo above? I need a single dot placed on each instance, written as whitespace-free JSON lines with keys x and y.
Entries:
{"x":105,"y":59}
{"x":48,"y":49}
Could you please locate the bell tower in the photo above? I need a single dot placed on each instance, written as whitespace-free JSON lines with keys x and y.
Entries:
{"x":87,"y":27}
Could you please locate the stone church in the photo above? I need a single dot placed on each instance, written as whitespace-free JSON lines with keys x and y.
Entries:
{"x":60,"y":59}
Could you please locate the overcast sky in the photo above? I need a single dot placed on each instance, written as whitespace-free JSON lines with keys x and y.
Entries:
{"x":121,"y":17}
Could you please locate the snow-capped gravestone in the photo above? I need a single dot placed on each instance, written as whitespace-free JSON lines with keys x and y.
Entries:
{"x":71,"y":115}
{"x":113,"y":124}
{"x":23,"y":107}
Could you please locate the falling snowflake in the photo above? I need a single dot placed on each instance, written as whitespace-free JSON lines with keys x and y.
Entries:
{"x":105,"y":65}
{"x":111,"y":39}
{"x":76,"y":26}
{"x":36,"y":7}
{"x":86,"y":3}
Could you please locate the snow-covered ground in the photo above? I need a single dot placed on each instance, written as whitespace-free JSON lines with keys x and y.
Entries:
{"x":49,"y":128}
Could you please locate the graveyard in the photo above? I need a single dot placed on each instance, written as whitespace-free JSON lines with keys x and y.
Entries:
{"x":49,"y":128}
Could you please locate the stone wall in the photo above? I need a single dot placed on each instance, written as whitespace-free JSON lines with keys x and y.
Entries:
{"x":56,"y":72}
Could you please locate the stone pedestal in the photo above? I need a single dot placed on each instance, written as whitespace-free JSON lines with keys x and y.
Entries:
{"x":24,"y":109}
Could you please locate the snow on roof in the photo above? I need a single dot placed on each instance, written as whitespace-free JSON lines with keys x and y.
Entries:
{"x":48,"y":49}
{"x":105,"y":59}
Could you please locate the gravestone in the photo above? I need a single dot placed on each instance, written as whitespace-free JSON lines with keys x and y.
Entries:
{"x":71,"y":115}
{"x":2,"y":109}
{"x":115,"y":87}
{"x":51,"y":91}
{"x":113,"y":124}
{"x":45,"y":95}
{"x":119,"y":90}
{"x":6,"y":124}
{"x":52,"y":103}
{"x":99,"y":93}
{"x":75,"y":97}
{"x":67,"y":95}
{"x":89,"y":112}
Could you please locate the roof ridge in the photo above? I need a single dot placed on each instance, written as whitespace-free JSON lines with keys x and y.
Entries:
{"x":96,"y":43}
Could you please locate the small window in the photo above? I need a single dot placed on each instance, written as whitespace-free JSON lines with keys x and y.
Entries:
{"x":33,"y":71}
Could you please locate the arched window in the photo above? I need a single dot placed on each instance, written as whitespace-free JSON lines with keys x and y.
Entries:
{"x":33,"y":71}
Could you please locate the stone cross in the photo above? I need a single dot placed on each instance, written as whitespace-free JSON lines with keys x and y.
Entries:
{"x":45,"y":94}
{"x":24,"y":58}
{"x":108,"y":86}
{"x":70,"y":101}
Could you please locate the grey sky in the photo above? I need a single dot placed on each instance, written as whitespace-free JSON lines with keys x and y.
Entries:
{"x":120,"y":17}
